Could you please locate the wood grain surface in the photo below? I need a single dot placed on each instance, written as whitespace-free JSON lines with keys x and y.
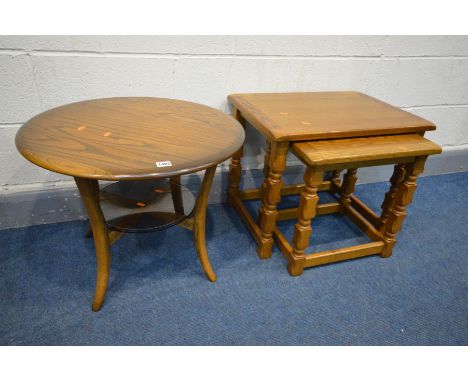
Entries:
{"x":324,"y":115}
{"x":342,"y":151}
{"x":124,"y":138}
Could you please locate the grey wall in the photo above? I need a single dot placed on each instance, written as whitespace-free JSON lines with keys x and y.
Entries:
{"x":426,"y":75}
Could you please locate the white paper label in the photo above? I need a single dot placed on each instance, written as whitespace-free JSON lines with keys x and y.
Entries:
{"x":166,"y":163}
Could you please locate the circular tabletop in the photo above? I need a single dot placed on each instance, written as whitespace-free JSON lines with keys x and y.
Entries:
{"x":129,"y":138}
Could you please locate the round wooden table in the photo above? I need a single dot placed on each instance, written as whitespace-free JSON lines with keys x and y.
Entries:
{"x":132,"y":138}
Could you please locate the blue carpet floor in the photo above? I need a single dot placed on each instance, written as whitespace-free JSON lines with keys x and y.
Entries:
{"x":159,"y":296}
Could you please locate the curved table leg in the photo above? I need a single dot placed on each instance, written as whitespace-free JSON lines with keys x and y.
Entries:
{"x":199,"y":223}
{"x":176,"y":193}
{"x":89,"y":191}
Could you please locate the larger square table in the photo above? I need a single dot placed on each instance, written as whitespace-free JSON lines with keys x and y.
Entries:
{"x":285,"y":118}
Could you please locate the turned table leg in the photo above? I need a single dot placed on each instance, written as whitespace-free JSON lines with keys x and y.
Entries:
{"x":266,"y":160}
{"x":266,"y":166}
{"x":271,"y":195}
{"x":234,"y":177}
{"x":89,"y":191}
{"x":235,"y":168}
{"x":403,"y":197}
{"x":347,"y":188}
{"x":307,"y":211}
{"x":200,"y":220}
{"x":335,"y":181}
{"x":395,"y":180}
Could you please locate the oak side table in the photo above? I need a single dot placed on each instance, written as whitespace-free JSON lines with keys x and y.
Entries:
{"x":131,"y":139}
{"x":285,"y":119}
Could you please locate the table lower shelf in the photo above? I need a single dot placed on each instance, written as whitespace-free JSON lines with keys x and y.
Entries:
{"x":145,"y":205}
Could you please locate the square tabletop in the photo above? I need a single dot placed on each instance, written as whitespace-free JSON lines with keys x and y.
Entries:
{"x":324,"y":115}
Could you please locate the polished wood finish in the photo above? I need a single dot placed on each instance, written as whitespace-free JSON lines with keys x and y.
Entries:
{"x":321,"y":209}
{"x":359,"y":150}
{"x":335,"y":180}
{"x":234,"y":175}
{"x":293,"y":189}
{"x":347,"y":188}
{"x":324,"y":115}
{"x":365,"y":211}
{"x":395,"y":180}
{"x":381,"y":231}
{"x":271,"y":190}
{"x":199,"y":222}
{"x":405,"y":151}
{"x":235,"y":168}
{"x":334,"y":255}
{"x":362,"y":223}
{"x":266,"y":160}
{"x":403,"y":197}
{"x":284,"y":119}
{"x":307,"y":211}
{"x":176,"y":194}
{"x":89,"y":191}
{"x":124,"y":138}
